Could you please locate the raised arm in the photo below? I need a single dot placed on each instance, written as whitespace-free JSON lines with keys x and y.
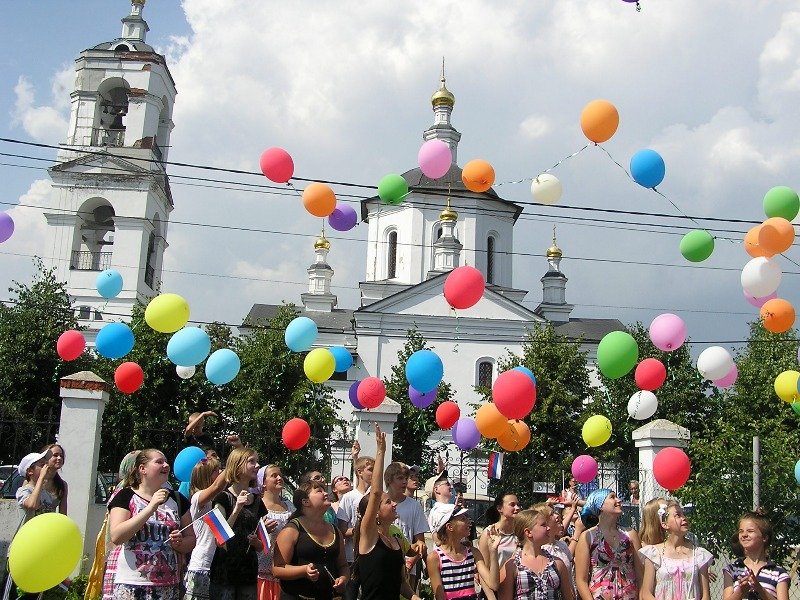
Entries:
{"x":489,"y":567}
{"x":368,"y":534}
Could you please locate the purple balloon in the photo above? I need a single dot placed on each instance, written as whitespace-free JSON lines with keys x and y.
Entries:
{"x":759,"y":302}
{"x":465,"y":434}
{"x":353,"y":394}
{"x":343,"y":217}
{"x":421,"y":400}
{"x":6,"y":226}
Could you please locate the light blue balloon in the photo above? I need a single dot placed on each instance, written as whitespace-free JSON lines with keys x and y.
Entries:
{"x":300,"y":334}
{"x":527,"y":372}
{"x":109,"y":283}
{"x":647,"y":168}
{"x":424,"y":371}
{"x":222,"y":366}
{"x":797,"y":472}
{"x":184,"y":488}
{"x":185,"y":462}
{"x":344,"y":360}
{"x":114,"y":340}
{"x":188,"y":346}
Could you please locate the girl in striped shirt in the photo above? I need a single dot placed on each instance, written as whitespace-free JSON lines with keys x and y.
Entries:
{"x":453,"y":563}
{"x":754,"y":576}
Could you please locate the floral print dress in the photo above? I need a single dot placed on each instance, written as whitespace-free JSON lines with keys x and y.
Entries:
{"x":613,"y":576}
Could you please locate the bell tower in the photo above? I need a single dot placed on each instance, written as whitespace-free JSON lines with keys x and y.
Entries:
{"x":112,"y":201}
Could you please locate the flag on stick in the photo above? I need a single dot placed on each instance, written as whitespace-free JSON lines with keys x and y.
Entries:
{"x":218,"y":525}
{"x":495,"y":465}
{"x":263,"y":535}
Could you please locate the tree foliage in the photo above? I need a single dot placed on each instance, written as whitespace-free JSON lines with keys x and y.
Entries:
{"x":722,"y":457}
{"x":562,"y":388}
{"x":685,"y":398}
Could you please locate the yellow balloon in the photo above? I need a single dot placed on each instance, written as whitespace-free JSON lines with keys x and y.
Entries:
{"x":786,"y":386}
{"x":319,"y":365}
{"x":596,"y":430}
{"x":44,"y":552}
{"x":167,"y":313}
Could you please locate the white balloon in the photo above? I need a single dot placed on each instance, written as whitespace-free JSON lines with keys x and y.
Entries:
{"x":546,"y":189}
{"x":714,"y":363}
{"x":760,"y":277}
{"x":642,"y":405}
{"x":184,"y":372}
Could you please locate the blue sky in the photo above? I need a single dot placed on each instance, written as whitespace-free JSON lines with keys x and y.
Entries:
{"x":346,"y":88}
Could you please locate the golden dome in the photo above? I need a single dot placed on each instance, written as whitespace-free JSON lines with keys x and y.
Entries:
{"x":448,"y":214}
{"x":322,"y":242}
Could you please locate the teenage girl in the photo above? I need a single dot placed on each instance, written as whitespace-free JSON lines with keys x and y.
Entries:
{"x":278,"y":511}
{"x":500,"y":516}
{"x":755,"y":576}
{"x":56,"y":486}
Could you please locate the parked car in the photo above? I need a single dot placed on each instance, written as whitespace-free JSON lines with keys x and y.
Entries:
{"x":6,"y":472}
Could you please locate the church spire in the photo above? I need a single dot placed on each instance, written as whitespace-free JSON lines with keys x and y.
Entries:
{"x":443,"y":101}
{"x":554,"y":305}
{"x":320,"y":274}
{"x":134,"y":27}
{"x":447,"y":249}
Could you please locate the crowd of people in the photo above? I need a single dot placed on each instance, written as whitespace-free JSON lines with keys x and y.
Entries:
{"x":368,"y":539}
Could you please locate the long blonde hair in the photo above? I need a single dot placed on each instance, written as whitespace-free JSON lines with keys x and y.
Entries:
{"x":651,"y":531}
{"x":202,"y":475}
{"x":235,"y":465}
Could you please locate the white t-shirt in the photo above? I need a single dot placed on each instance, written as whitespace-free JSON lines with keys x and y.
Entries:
{"x":203,"y":552}
{"x":348,"y":512}
{"x":411,"y":521}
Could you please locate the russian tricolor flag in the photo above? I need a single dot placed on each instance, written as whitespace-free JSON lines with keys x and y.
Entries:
{"x":218,"y":525}
{"x":495,"y":465}
{"x":263,"y":535}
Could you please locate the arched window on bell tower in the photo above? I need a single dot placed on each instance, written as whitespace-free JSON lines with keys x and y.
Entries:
{"x":484,"y":372}
{"x":110,"y":112}
{"x":491,"y":260}
{"x":391,"y":254}
{"x":93,"y":236}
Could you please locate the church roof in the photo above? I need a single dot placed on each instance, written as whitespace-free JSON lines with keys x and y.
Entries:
{"x":417,"y":181}
{"x":336,"y":321}
{"x":590,"y":330}
{"x":132,"y":45}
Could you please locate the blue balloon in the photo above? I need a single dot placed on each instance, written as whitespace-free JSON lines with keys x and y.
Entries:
{"x":797,"y":472}
{"x":527,"y":372}
{"x":185,"y":462}
{"x":300,"y":334}
{"x":344,"y":360}
{"x":184,"y":488}
{"x":109,"y":283}
{"x":647,"y":168}
{"x":188,"y":346}
{"x":424,"y":371}
{"x":222,"y":366}
{"x":114,"y":340}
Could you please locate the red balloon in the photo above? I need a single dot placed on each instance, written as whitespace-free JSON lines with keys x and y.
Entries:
{"x":129,"y":377}
{"x":650,"y":374}
{"x":447,"y":414}
{"x":464,"y":287}
{"x":70,"y":345}
{"x":277,"y":165}
{"x":671,"y":468}
{"x":295,"y":434}
{"x":371,"y":392}
{"x":514,"y":394}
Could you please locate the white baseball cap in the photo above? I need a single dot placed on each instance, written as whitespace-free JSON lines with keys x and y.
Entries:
{"x":30,"y":459}
{"x":441,"y":514}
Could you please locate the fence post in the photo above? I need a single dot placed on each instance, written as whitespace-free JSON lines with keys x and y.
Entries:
{"x":83,"y":399}
{"x":385,"y":416}
{"x":650,"y":439}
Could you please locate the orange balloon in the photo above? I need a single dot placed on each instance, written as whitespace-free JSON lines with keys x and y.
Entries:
{"x":778,"y":315}
{"x":319,"y":199}
{"x":490,"y":421}
{"x":477,"y":175}
{"x":751,"y":245}
{"x":776,"y":235}
{"x":515,"y":437}
{"x":599,"y":121}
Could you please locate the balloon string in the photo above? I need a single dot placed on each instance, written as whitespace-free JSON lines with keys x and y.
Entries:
{"x":455,"y":314}
{"x":546,"y":170}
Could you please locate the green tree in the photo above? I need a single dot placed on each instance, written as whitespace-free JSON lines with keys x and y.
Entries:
{"x":271,"y":389}
{"x":30,"y":324}
{"x":685,"y":398}
{"x":414,"y":426}
{"x":562,"y":387}
{"x":722,"y":460}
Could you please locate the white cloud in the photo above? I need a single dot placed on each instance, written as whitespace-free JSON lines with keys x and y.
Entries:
{"x":44,"y":123}
{"x":535,"y":126}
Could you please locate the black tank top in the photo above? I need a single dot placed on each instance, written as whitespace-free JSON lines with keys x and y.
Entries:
{"x":380,"y":572}
{"x":307,"y":551}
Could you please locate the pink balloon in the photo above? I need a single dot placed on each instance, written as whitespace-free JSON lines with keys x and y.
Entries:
{"x":435,"y":158}
{"x":668,"y":332}
{"x":276,"y":165}
{"x":759,"y":302}
{"x":729,"y":379}
{"x":584,"y":468}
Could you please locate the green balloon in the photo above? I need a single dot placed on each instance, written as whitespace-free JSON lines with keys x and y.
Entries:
{"x":781,"y":201}
{"x":617,"y":354}
{"x":392,"y":189}
{"x":796,"y":407}
{"x":697,"y":245}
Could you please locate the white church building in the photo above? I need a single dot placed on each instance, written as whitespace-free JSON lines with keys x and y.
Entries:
{"x":113,"y":205}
